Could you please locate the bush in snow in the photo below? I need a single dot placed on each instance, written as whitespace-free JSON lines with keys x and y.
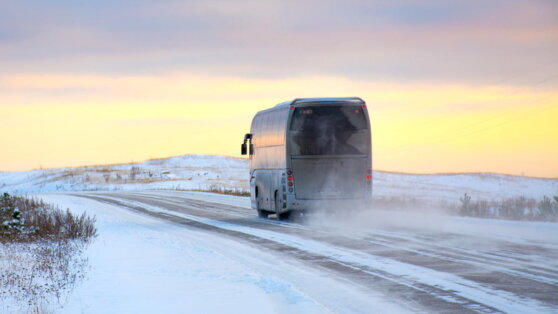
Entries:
{"x":515,"y":208}
{"x":465,"y":209}
{"x":224,"y":190}
{"x":23,"y":220}
{"x":36,"y":277}
{"x":548,"y":208}
{"x":40,"y":253}
{"x":11,"y":218}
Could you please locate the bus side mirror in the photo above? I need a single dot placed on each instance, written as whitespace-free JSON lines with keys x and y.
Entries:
{"x":243,"y":148}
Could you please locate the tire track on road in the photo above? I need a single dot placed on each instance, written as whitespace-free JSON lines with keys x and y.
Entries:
{"x":500,"y":278}
{"x":439,"y":296}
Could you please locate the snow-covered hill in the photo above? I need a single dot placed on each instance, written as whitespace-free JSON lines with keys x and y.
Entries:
{"x":175,"y":173}
{"x":450,"y":187}
{"x":203,"y":171}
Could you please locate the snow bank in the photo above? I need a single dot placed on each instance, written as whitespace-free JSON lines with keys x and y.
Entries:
{"x":144,"y":265}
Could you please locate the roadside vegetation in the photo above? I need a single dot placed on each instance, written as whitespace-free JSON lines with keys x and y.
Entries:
{"x":516,"y":208}
{"x":224,"y":190}
{"x":513,"y":208}
{"x":41,"y":253}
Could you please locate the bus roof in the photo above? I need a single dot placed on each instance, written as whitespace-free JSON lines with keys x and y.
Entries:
{"x":356,"y":100}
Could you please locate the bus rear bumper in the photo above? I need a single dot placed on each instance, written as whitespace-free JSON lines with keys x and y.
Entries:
{"x":328,"y":204}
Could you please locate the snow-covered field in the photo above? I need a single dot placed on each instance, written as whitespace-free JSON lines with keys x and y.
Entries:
{"x":202,"y":171}
{"x":163,"y":249}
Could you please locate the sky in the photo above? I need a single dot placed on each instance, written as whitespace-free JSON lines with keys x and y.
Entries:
{"x":451,"y":86}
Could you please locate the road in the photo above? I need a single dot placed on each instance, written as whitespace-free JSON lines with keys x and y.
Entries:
{"x":423,"y":270}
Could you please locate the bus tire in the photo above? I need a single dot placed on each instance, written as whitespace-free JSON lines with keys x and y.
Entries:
{"x":263,"y":213}
{"x":284,"y":216}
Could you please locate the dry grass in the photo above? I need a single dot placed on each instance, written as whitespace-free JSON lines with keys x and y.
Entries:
{"x":38,"y":277}
{"x":145,"y":181}
{"x":224,"y":190}
{"x":26,"y":220}
{"x":41,"y":254}
{"x":515,"y":208}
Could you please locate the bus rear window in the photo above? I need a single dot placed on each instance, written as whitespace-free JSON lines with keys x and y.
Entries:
{"x":329,"y":130}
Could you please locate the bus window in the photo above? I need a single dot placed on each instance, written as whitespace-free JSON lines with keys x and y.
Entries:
{"x":273,"y":128}
{"x":329,"y":130}
{"x":278,"y":128}
{"x":255,"y":131}
{"x":281,"y":128}
{"x":264,"y":129}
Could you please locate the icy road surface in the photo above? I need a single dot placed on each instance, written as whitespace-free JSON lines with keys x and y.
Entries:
{"x":198,"y":252}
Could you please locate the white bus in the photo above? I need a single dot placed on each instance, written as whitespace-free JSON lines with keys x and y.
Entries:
{"x":309,"y":154}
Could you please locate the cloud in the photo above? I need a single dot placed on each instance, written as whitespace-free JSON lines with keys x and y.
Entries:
{"x":436,"y":41}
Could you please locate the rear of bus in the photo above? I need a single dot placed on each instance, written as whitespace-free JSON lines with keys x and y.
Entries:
{"x":329,"y":154}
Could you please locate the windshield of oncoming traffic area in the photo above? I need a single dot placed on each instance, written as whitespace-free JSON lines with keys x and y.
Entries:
{"x":329,"y":130}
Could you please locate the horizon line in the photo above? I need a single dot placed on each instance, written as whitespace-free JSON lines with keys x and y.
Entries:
{"x":235,"y":157}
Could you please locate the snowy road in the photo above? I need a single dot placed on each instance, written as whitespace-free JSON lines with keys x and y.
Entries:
{"x":372,"y":262}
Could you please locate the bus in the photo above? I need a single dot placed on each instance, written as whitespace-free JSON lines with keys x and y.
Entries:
{"x":310,"y":154}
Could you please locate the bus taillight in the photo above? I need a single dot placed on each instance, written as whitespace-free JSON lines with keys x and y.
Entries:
{"x":290,"y":179}
{"x":368,"y":177}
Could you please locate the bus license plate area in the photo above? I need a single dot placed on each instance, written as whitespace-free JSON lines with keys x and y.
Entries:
{"x":325,"y":178}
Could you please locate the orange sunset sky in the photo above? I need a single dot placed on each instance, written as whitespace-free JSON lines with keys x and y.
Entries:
{"x":462,"y":86}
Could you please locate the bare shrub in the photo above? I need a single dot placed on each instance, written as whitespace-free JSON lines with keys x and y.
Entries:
{"x":23,"y":220}
{"x":515,"y":208}
{"x":224,"y":190}
{"x":134,"y":172}
{"x":41,"y":253}
{"x":39,"y":275}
